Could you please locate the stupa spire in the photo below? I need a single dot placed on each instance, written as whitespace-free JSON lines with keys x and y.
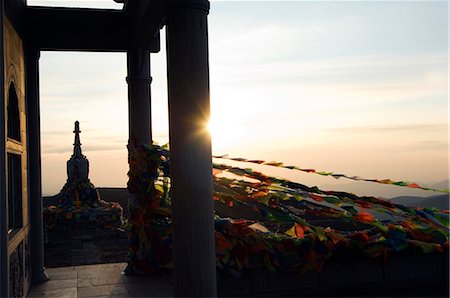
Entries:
{"x":77,"y":143}
{"x":78,"y":164}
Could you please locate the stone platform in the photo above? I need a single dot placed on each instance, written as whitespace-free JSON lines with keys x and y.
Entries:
{"x":102,"y":280}
{"x":407,"y":276}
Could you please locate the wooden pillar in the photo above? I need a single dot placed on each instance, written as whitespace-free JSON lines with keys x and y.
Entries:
{"x":139,"y":119}
{"x":190,"y":148}
{"x":38,"y":274}
{"x":4,"y":264}
{"x":139,"y":108}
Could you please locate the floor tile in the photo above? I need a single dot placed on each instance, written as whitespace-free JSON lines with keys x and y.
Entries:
{"x":153,"y":288}
{"x":98,"y":280}
{"x":112,"y":296}
{"x":101,"y":280}
{"x":56,"y":285}
{"x":145,"y":278}
{"x":148,"y":294}
{"x":61,"y":274}
{"x":60,"y":269}
{"x":60,"y":293}
{"x":103,"y":290}
{"x":95,"y":271}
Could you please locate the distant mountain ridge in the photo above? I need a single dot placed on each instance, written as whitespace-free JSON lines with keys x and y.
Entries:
{"x":441,"y":201}
{"x":386,"y":191}
{"x":442,"y":185}
{"x":437,"y":201}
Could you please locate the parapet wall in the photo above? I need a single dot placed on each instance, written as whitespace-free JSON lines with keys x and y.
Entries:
{"x":407,"y":276}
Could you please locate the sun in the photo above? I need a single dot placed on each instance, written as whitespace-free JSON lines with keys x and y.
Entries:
{"x":225,"y":134}
{"x":216,"y":129}
{"x":212,"y":128}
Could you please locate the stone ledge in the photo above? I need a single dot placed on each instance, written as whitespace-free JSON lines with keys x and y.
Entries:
{"x":336,"y":273}
{"x":229,"y":286}
{"x":414,"y":267}
{"x":402,"y":274}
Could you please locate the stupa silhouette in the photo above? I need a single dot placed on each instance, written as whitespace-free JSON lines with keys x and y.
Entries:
{"x":78,"y":190}
{"x":79,"y":202}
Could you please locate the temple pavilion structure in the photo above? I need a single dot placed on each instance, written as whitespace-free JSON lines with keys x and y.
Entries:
{"x":314,"y":224}
{"x":25,"y":31}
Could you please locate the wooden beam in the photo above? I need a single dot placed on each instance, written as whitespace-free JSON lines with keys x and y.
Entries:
{"x":77,"y":29}
{"x":81,"y":29}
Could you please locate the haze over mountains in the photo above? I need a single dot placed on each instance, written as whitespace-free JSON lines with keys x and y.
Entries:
{"x":438,"y":201}
{"x":399,"y":195}
{"x":385,"y":191}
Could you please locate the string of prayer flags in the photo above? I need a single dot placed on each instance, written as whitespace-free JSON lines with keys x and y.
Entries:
{"x":334,"y":175}
{"x":272,"y":223}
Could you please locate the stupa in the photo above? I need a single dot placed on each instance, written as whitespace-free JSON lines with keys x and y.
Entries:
{"x":78,"y":164}
{"x":79,"y":202}
{"x":78,"y":190}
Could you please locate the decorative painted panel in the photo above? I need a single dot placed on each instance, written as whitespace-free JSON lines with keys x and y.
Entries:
{"x":27,"y":263}
{"x":16,"y":276}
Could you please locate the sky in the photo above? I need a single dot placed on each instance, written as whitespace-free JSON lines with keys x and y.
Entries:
{"x":357,"y":87}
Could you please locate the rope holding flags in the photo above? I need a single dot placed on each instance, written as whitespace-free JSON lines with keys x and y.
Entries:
{"x":332,"y":174}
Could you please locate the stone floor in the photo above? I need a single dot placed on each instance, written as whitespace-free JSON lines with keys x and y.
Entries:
{"x":102,"y":280}
{"x":401,"y":276}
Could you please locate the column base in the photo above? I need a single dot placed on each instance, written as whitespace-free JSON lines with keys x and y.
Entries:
{"x":39,"y":277}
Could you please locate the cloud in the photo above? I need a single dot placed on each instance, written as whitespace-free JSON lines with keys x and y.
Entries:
{"x":52,"y":149}
{"x":55,"y":133}
{"x":60,"y":141}
{"x":382,"y":1}
{"x":104,"y":147}
{"x":431,"y":145}
{"x":355,"y":69}
{"x":394,"y":128}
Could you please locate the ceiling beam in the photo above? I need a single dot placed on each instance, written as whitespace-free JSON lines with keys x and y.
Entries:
{"x":77,"y":29}
{"x":81,"y":29}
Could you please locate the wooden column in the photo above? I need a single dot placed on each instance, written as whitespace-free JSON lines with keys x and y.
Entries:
{"x":139,"y":119}
{"x":38,"y":274}
{"x":4,"y":264}
{"x":190,"y":148}
{"x":139,"y":108}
